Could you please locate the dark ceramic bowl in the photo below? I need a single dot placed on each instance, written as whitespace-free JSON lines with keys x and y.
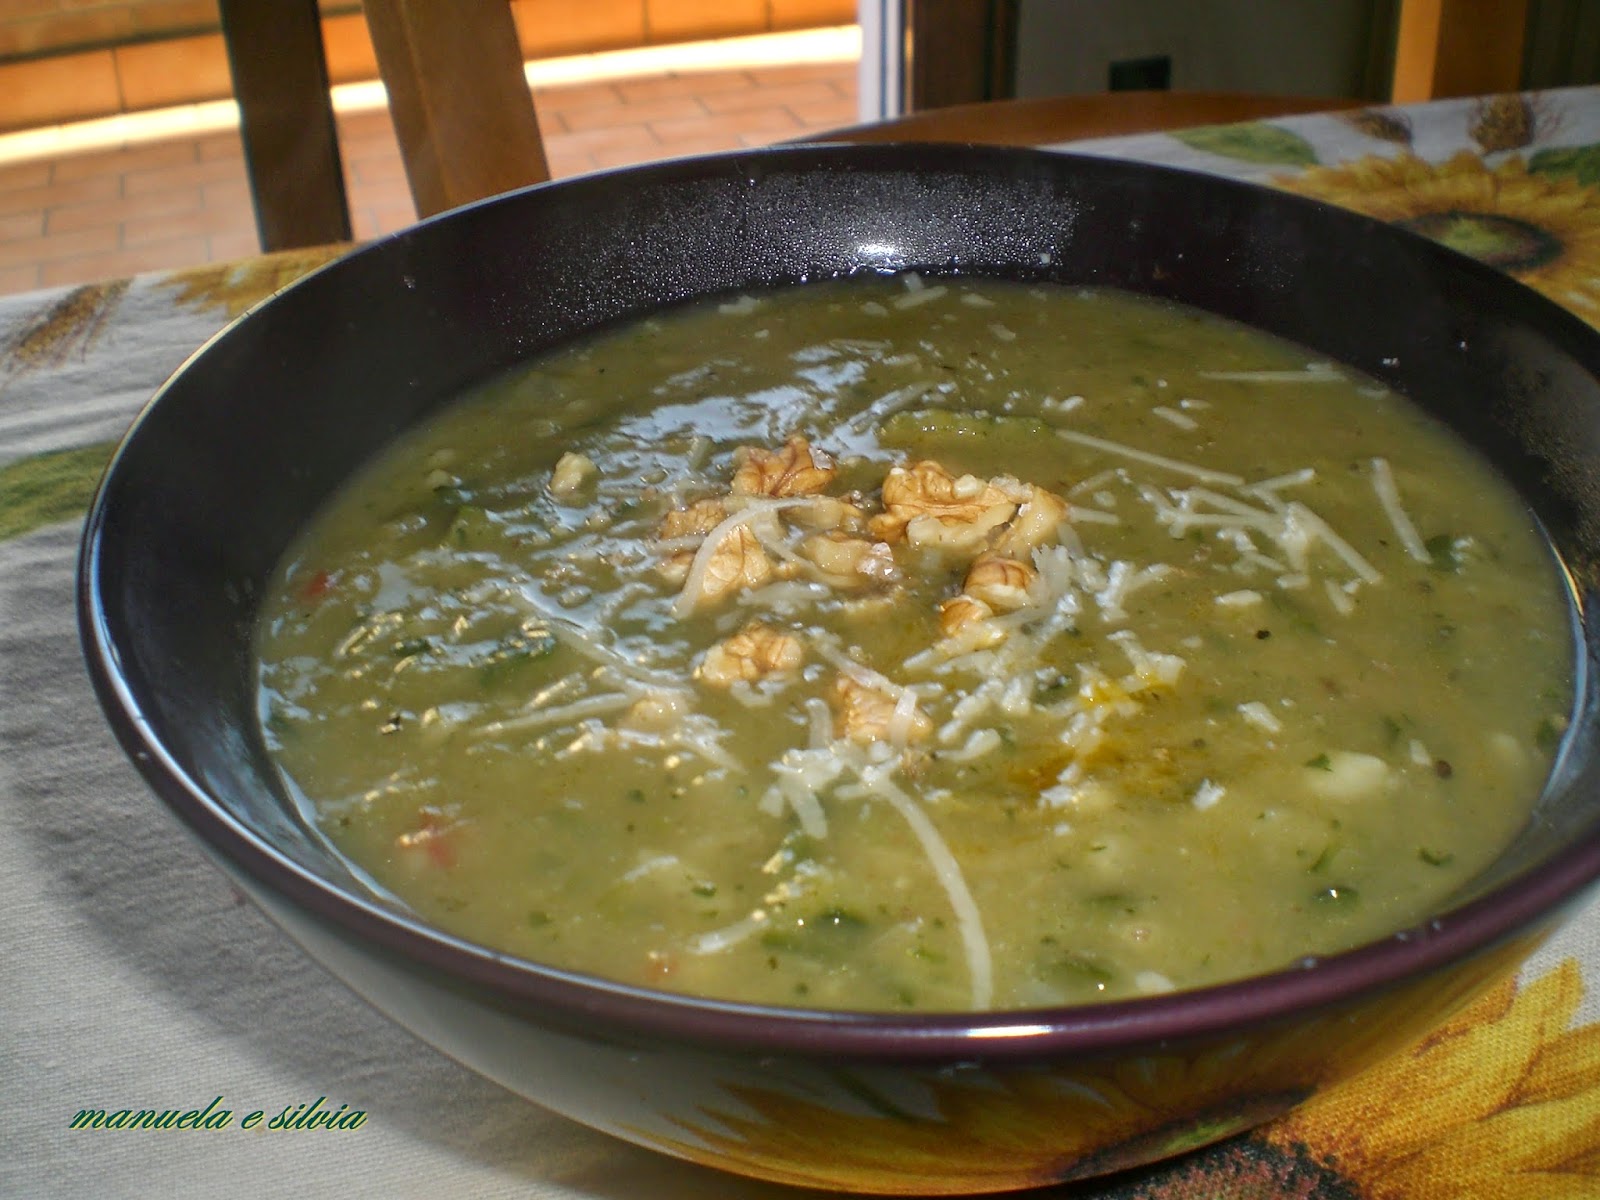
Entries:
{"x":246,"y":441}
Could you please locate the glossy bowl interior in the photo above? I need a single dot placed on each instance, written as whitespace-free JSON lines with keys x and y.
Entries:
{"x":246,"y":441}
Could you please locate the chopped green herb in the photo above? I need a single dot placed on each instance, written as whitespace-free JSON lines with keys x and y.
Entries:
{"x":839,"y":918}
{"x":1080,"y":970}
{"x":1548,"y":733}
{"x":1320,"y":763}
{"x":1435,"y":858}
{"x":1442,"y":550}
{"x":522,"y":647}
{"x":1115,"y":901}
{"x":1392,"y":729}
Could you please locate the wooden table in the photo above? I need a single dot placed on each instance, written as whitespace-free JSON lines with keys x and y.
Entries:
{"x":1068,"y":118}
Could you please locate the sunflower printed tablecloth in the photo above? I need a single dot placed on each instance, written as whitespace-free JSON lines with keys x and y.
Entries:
{"x":135,"y":977}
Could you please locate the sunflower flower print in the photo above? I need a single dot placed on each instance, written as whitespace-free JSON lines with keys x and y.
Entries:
{"x":1543,"y":230}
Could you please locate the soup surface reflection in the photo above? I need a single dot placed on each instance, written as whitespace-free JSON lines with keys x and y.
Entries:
{"x":921,"y":644}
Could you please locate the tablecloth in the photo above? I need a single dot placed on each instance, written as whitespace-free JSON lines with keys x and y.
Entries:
{"x":133,"y":976}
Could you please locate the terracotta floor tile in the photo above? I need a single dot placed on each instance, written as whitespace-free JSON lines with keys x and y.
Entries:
{"x":819,"y":117}
{"x":566,"y":162}
{"x":101,"y":187}
{"x":52,"y":249}
{"x":69,"y":217}
{"x":146,"y":157}
{"x":794,"y":96}
{"x":219,"y":145}
{"x":187,"y":175}
{"x":225,"y":247}
{"x":609,"y":159}
{"x":169,"y":227}
{"x":23,"y":277}
{"x":667,"y":108}
{"x":385,"y":193}
{"x":694,"y":83}
{"x":780,"y":75}
{"x":575,"y":95}
{"x":378,"y":169}
{"x":373,"y":144}
{"x":17,"y":176}
{"x":89,"y":268}
{"x":771,"y":122}
{"x":379,"y":220}
{"x":355,"y":124}
{"x":182,"y":201}
{"x":21,"y":225}
{"x":636,"y":139}
{"x":227,"y":193}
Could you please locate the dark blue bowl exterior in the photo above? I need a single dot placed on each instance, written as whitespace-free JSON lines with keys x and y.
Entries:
{"x":243,"y":444}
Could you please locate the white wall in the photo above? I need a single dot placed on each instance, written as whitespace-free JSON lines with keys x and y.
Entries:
{"x":1292,"y":47}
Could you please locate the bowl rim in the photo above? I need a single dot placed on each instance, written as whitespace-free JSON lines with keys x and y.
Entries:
{"x":1515,"y":907}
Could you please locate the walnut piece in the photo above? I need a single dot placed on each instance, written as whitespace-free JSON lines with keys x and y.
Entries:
{"x":700,"y":518}
{"x":863,"y":713}
{"x":1036,"y":523}
{"x":656,"y":712}
{"x":754,"y":653}
{"x":1001,"y":583}
{"x":928,"y":506}
{"x":796,"y":470}
{"x":969,"y":619}
{"x":737,"y":562}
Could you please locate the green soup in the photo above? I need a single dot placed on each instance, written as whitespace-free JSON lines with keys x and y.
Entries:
{"x":922,"y":644}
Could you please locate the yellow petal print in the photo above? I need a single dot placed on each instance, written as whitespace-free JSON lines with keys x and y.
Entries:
{"x":1502,"y":1102}
{"x":959,"y":1133}
{"x":70,"y":325}
{"x":1564,"y":1067}
{"x":234,"y":287}
{"x":1540,"y":229}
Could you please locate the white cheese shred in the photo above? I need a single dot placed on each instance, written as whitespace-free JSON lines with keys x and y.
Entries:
{"x":1173,"y":417}
{"x":1258,"y":714}
{"x":694,"y":582}
{"x":1194,"y":470}
{"x":1389,"y":497}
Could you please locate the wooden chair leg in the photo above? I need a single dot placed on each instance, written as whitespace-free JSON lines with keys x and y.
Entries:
{"x":291,"y":148}
{"x":460,"y":101}
{"x":1458,"y":48}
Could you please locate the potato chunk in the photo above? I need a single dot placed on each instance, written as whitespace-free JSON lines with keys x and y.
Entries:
{"x":850,"y":562}
{"x":572,"y":473}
